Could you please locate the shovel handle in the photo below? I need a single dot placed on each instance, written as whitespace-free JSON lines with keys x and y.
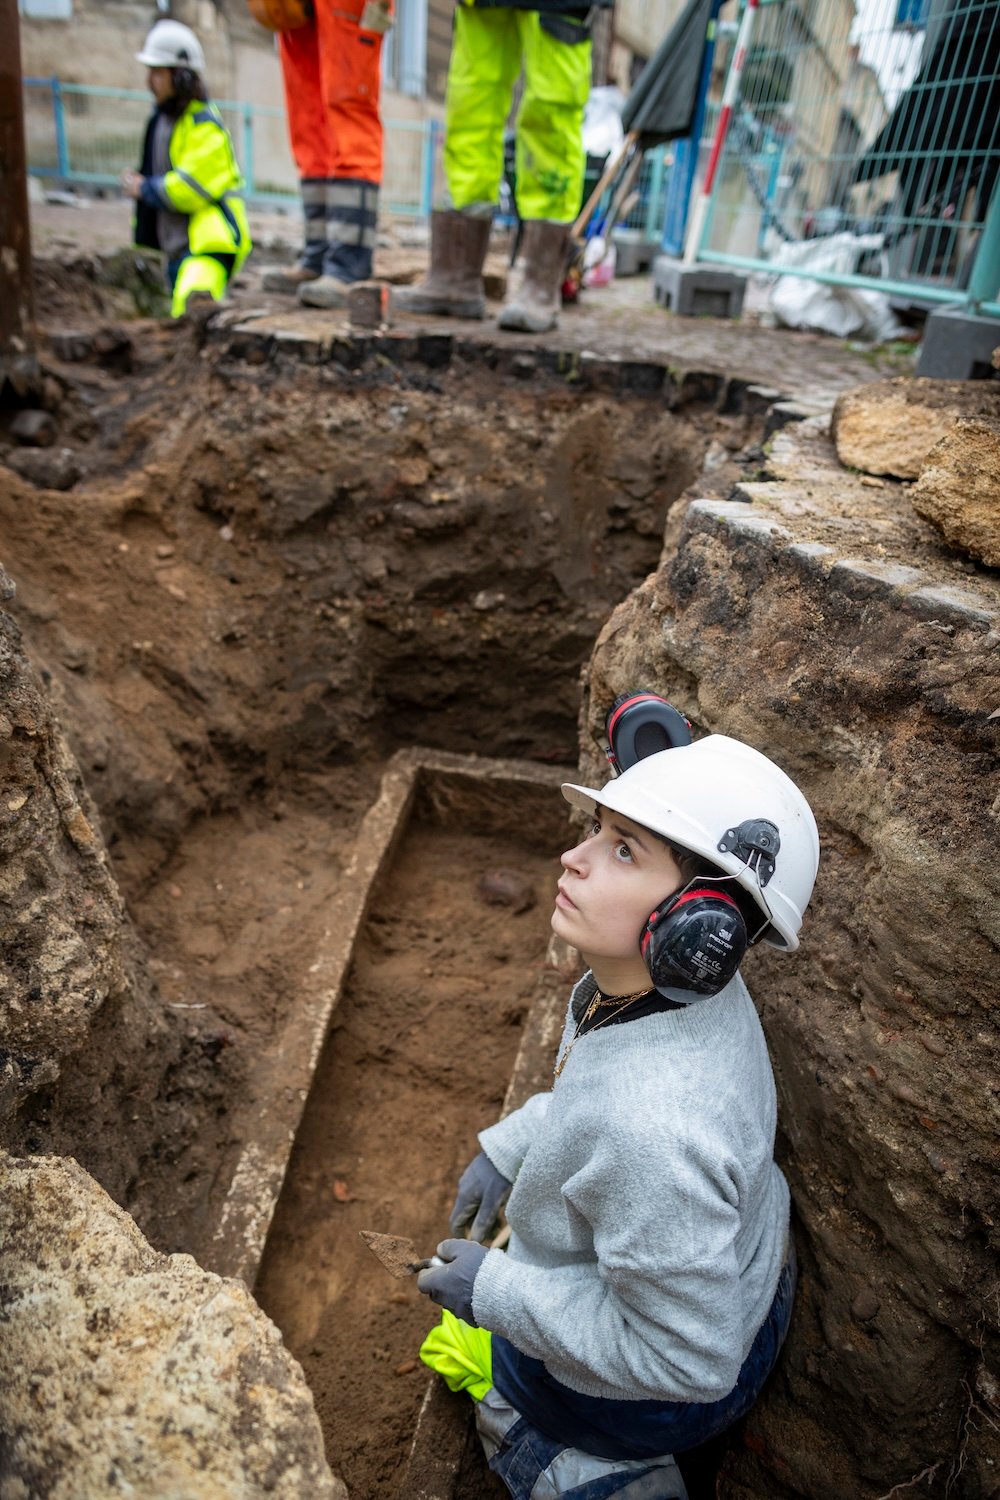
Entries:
{"x":605,"y":178}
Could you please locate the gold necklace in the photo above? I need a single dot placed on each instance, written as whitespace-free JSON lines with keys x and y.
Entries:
{"x":600,"y":998}
{"x":621,"y":1002}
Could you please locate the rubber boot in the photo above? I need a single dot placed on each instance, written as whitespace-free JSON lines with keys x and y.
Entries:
{"x":453,"y":286}
{"x":534,"y":304}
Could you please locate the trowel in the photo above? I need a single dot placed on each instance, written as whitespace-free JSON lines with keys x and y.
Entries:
{"x":398,"y":1254}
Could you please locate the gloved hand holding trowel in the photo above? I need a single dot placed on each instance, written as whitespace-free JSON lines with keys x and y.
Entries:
{"x":447,"y":1276}
{"x":482,"y":1192}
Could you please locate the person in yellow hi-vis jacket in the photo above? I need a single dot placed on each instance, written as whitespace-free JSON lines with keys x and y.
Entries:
{"x":188,"y":189}
{"x":551,"y":40}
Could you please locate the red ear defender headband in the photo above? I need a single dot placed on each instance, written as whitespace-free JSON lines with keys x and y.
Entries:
{"x":695,"y":940}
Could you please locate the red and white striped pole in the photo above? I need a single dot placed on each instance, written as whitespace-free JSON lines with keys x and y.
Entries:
{"x":697,"y":224}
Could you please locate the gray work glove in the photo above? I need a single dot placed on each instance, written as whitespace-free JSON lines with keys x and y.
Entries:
{"x":450,"y":1285}
{"x":482,"y":1193}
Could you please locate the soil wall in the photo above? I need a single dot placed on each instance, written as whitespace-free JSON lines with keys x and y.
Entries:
{"x":818,"y":618}
{"x":266,"y":575}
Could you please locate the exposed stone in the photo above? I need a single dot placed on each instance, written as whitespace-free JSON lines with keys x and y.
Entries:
{"x":506,"y":888}
{"x":114,"y":349}
{"x":865,"y":1305}
{"x":70,"y":345}
{"x":34,"y":428}
{"x":60,"y":910}
{"x":890,"y":427}
{"x":959,"y":488}
{"x":48,"y":468}
{"x":834,"y":635}
{"x":127,"y":1371}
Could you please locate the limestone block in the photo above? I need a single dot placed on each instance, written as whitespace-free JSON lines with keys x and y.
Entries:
{"x":128,"y":1372}
{"x":959,"y":489}
{"x":889,"y":427}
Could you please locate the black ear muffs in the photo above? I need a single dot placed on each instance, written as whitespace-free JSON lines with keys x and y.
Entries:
{"x":695,"y":940}
{"x":640,"y":724}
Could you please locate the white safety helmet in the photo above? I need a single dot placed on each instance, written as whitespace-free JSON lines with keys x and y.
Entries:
{"x":171,"y":44}
{"x":737,"y":810}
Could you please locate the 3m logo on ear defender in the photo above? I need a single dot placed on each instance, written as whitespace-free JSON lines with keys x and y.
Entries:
{"x":695,"y":941}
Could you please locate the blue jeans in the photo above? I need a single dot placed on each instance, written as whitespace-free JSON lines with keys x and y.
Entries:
{"x":534,"y":1467}
{"x":639,"y":1430}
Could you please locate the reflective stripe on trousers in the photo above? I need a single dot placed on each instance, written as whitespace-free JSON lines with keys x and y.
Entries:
{"x":534,"y":1467}
{"x":197,"y":273}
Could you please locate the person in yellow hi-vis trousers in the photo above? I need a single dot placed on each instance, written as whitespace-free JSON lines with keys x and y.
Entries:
{"x":188,"y":195}
{"x":550,"y":39}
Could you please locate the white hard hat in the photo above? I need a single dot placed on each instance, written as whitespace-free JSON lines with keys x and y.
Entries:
{"x":737,"y":810}
{"x":171,"y":44}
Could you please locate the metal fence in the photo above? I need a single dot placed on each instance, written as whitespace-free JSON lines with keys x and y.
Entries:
{"x":85,"y":135}
{"x":864,"y":148}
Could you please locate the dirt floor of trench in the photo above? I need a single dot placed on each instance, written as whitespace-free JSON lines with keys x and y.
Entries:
{"x":245,"y":585}
{"x":418,"y":1060}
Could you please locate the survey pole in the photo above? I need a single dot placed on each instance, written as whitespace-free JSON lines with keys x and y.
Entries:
{"x":696,"y":227}
{"x":16,"y":332}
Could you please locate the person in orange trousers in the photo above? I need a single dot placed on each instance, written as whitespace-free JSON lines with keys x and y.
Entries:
{"x":331,"y":73}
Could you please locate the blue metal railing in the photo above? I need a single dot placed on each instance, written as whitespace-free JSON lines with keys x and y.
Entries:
{"x":78,"y":133}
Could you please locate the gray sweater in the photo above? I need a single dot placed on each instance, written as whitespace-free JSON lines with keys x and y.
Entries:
{"x":648,"y":1217}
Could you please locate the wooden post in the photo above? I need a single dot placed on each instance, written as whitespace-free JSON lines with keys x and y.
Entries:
{"x":16,"y":332}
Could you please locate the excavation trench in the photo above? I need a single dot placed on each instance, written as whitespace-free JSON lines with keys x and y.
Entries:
{"x":419,"y":1057}
{"x":269,"y":579}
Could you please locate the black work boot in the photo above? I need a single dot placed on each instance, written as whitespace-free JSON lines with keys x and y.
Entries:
{"x":453,"y":286}
{"x":533,"y":306}
{"x":309,"y":266}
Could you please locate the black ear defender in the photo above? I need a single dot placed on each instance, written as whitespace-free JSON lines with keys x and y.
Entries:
{"x":695,"y":940}
{"x":640,"y":724}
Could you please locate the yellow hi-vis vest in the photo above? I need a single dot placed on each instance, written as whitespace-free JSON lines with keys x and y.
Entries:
{"x":204,"y":183}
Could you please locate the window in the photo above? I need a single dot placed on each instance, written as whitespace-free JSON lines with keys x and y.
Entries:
{"x":46,"y":10}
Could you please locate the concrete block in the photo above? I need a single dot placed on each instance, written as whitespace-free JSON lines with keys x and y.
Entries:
{"x":862,"y":578}
{"x":963,"y":609}
{"x":368,"y":304}
{"x":634,"y":251}
{"x":71,"y":346}
{"x":958,"y":345}
{"x":697,"y":291}
{"x":783,"y":413}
